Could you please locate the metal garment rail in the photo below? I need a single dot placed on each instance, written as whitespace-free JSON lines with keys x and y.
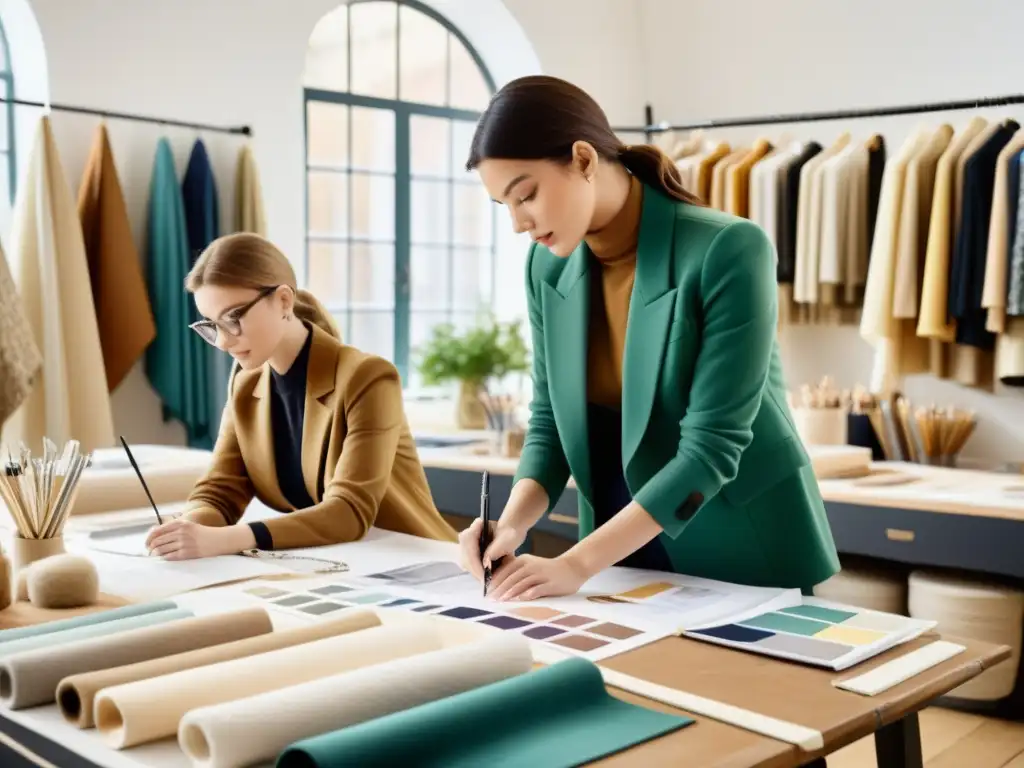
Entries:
{"x":242,"y":130}
{"x":650,"y":128}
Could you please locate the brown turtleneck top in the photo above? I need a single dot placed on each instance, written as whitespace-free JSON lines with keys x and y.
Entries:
{"x":614,"y":250}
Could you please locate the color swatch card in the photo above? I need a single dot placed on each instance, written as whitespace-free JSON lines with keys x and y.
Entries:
{"x":816,"y":632}
{"x":577,"y":634}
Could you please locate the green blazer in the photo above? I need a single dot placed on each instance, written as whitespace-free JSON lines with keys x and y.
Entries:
{"x":709,"y":447}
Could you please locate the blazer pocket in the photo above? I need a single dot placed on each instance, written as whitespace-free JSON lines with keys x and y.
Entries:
{"x":764,"y":470}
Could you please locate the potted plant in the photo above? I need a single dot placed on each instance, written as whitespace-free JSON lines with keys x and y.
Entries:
{"x":489,"y":350}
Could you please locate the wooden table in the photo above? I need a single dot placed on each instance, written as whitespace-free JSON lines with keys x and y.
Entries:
{"x":788,"y":691}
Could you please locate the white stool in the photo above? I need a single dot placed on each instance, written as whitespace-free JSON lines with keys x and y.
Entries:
{"x":974,"y":610}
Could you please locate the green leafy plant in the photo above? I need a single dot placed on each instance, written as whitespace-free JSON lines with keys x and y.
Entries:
{"x":489,"y":350}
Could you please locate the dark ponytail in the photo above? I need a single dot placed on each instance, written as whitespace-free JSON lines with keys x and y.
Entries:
{"x":656,"y":169}
{"x":539,"y":117}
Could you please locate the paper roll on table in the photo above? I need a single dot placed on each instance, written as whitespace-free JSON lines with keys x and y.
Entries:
{"x":256,"y":729}
{"x":146,"y":710}
{"x":30,"y":678}
{"x":76,"y":694}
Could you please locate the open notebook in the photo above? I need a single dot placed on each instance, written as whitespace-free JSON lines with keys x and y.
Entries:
{"x":788,"y":625}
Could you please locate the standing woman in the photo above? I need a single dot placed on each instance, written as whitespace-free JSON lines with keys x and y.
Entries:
{"x":312,"y":427}
{"x":657,"y":382}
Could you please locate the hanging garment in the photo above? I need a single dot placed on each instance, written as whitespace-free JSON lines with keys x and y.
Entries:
{"x":876,"y":169}
{"x":737,"y":200}
{"x":1015,"y":267}
{"x":967,"y":267}
{"x":878,"y":327}
{"x":249,"y":213}
{"x":787,"y":225}
{"x":20,"y":358}
{"x":202,"y":221}
{"x":911,"y":245}
{"x":932,"y":321}
{"x":1000,"y":238}
{"x":175,"y":364}
{"x":707,"y":168}
{"x":71,"y":400}
{"x":118,"y":287}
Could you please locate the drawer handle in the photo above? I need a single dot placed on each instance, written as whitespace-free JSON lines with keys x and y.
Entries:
{"x":557,"y":517}
{"x":897,"y":534}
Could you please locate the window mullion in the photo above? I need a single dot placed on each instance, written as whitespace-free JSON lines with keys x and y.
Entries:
{"x":403,"y":234}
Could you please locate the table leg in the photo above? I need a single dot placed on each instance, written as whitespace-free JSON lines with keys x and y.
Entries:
{"x":898,"y":745}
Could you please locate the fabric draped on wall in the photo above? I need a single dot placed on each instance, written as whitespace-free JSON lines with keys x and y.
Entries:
{"x":923,"y":249}
{"x":119,"y":292}
{"x":249,"y":213}
{"x":175,"y":363}
{"x":20,"y":358}
{"x":71,"y":400}
{"x":202,"y":222}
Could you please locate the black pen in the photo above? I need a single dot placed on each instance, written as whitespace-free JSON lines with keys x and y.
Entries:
{"x":485,"y":525}
{"x":141,"y":479}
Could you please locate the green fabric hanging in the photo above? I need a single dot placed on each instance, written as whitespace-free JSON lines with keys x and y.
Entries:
{"x":554,"y":717}
{"x":175,"y":362}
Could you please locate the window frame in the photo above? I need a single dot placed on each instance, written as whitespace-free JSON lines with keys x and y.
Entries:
{"x":403,"y":112}
{"x":7,"y":76}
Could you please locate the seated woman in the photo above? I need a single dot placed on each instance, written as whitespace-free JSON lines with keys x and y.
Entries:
{"x":312,"y":427}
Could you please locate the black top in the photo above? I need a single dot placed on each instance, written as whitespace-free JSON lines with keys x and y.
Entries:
{"x":876,"y":169}
{"x":287,"y":410}
{"x":967,"y":267}
{"x":786,"y":246}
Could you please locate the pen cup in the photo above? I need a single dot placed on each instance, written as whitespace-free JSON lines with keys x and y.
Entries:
{"x":27,"y":551}
{"x":821,"y":426}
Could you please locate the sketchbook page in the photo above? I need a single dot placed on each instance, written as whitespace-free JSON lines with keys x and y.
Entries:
{"x":816,"y":632}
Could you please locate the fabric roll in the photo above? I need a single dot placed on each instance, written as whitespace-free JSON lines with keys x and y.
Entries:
{"x":76,"y":694}
{"x":20,"y":358}
{"x":113,"y":614}
{"x":252,"y":730}
{"x":73,"y":635}
{"x":135,"y":713}
{"x":118,"y":287}
{"x":555,"y":717}
{"x":70,"y":400}
{"x":31,"y":678}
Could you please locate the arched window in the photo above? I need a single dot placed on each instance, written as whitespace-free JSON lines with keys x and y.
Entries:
{"x":399,"y":237}
{"x":8,"y":155}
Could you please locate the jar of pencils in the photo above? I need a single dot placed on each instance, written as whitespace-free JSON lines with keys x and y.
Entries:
{"x":39,"y":494}
{"x":820,"y":414}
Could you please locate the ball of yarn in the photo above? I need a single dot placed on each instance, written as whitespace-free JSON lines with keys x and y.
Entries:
{"x":63,"y":581}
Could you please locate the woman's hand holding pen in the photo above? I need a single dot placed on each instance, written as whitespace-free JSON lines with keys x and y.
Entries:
{"x":183,"y":539}
{"x":506,"y":540}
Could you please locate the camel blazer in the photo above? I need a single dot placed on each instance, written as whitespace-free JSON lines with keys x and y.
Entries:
{"x":359,"y":460}
{"x":709,"y":448}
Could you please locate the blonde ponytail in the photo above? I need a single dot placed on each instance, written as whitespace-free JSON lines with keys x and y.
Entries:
{"x":309,"y":308}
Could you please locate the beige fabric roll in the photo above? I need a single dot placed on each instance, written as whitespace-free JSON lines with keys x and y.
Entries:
{"x":977,"y":610}
{"x":136,"y":713}
{"x":876,"y":589}
{"x":30,"y":678}
{"x":256,"y":729}
{"x":76,"y":694}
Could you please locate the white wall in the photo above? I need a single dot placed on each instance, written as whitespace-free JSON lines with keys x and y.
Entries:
{"x":735,"y":58}
{"x":241,"y":61}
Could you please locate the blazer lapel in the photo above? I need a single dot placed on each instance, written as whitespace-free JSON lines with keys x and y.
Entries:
{"x":316,"y":419}
{"x":565,"y":309}
{"x":260,"y":461}
{"x":650,"y":314}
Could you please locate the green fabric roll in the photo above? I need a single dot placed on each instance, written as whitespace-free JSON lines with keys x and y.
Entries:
{"x":554,"y":717}
{"x":92,"y":630}
{"x":125,"y":611}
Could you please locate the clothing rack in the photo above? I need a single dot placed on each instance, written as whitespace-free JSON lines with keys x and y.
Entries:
{"x":243,"y":130}
{"x":650,"y":128}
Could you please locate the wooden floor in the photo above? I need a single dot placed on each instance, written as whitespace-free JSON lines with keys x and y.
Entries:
{"x":951,"y":739}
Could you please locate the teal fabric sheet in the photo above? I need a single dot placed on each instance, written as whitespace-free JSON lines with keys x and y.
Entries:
{"x":92,"y":630}
{"x":553,"y":717}
{"x":137,"y":609}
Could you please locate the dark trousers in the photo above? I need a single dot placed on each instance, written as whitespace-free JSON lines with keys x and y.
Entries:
{"x":611,"y":493}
